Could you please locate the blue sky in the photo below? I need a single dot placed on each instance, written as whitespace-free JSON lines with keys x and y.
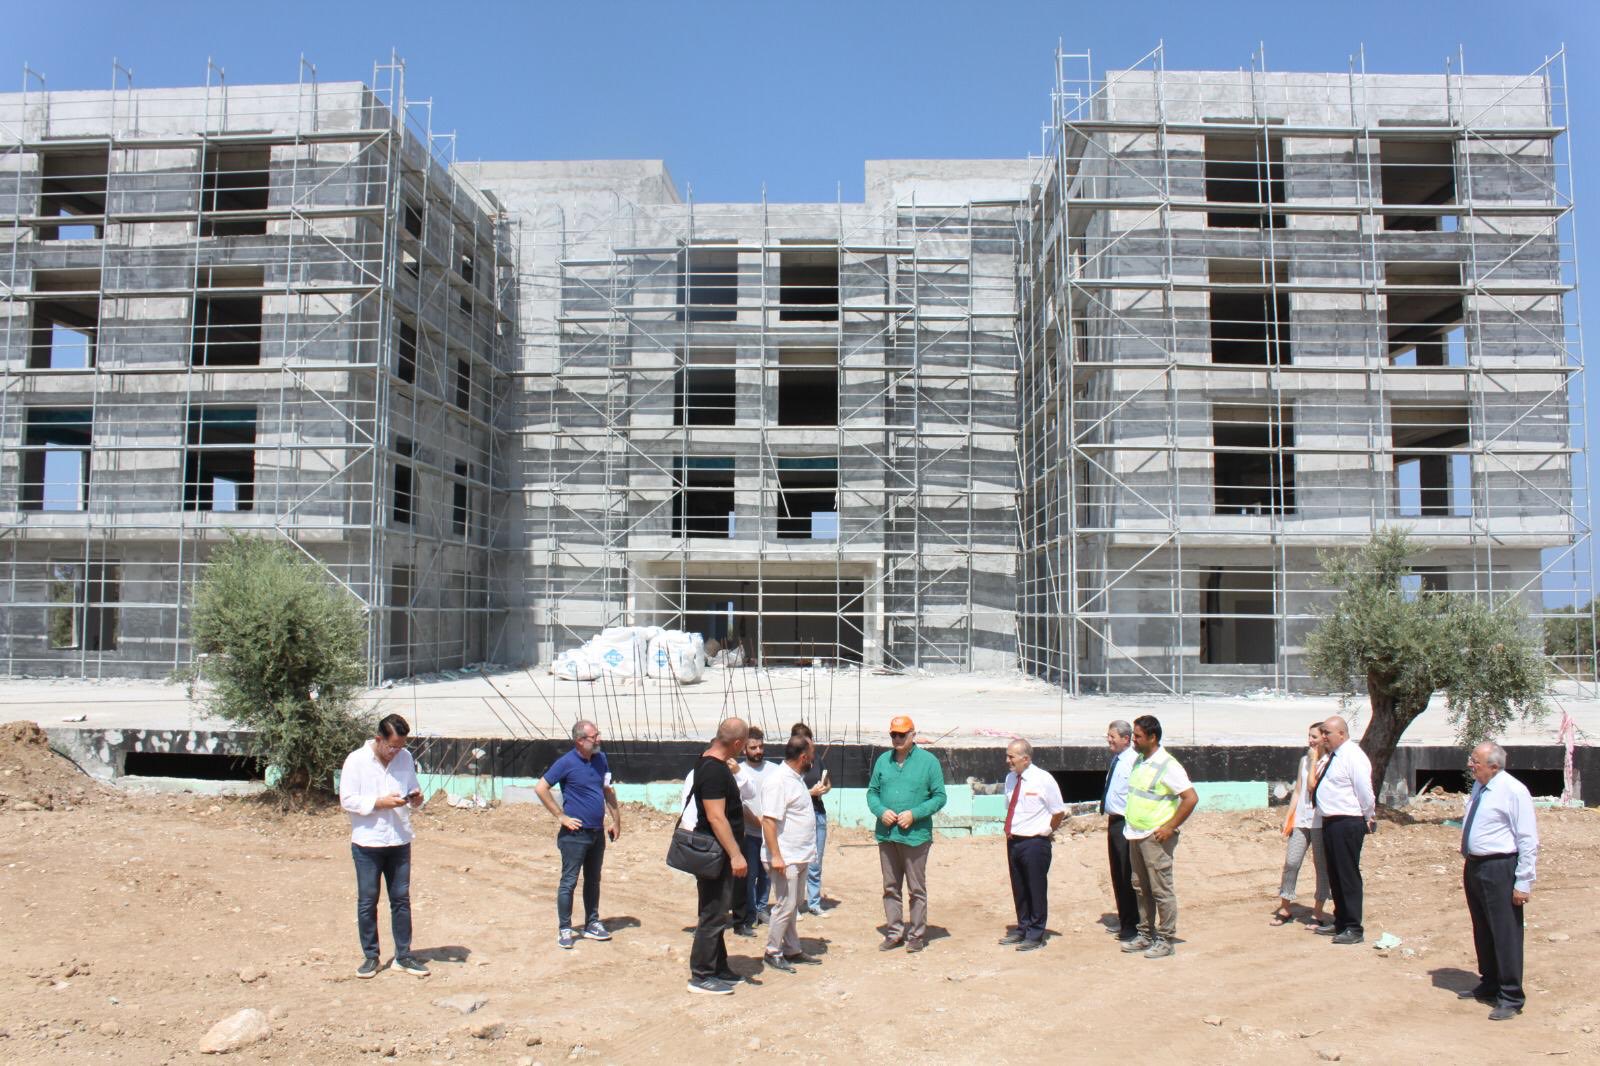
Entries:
{"x":796,"y":95}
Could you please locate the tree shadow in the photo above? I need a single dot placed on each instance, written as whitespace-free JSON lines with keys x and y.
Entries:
{"x":444,"y":953}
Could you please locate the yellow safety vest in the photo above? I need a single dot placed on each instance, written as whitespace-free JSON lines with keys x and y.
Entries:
{"x":1151,"y":802}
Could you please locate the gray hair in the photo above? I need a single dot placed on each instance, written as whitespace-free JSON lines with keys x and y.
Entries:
{"x":1026,"y":746}
{"x":1121,"y":728}
{"x":1493,"y":754}
{"x":580,"y":726}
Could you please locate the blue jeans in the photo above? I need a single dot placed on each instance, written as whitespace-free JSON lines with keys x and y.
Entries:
{"x":756,"y":884}
{"x":393,"y":864}
{"x":814,"y":871}
{"x":581,"y":849}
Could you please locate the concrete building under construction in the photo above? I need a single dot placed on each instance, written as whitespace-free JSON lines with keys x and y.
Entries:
{"x":1090,"y":414}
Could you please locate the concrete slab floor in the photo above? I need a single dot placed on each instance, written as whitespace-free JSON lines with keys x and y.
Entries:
{"x":844,"y":705}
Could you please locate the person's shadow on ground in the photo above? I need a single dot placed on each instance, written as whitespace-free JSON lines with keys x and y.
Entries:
{"x":445,"y":953}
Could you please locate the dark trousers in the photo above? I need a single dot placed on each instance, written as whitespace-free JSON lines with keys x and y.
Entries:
{"x":750,"y":891}
{"x":585,"y":850}
{"x":1496,"y":927}
{"x":393,"y":865}
{"x":1342,"y":837}
{"x":1122,"y":877}
{"x":1029,"y":859}
{"x":709,"y":955}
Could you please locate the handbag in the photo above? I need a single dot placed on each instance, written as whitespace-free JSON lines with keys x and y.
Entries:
{"x":694,"y":853}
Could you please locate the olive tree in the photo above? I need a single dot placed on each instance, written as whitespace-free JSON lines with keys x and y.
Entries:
{"x":284,"y":652}
{"x":1404,"y":645}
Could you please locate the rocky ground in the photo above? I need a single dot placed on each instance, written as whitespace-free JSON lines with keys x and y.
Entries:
{"x":134,"y":924}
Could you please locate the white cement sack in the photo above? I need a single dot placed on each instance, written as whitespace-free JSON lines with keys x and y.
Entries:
{"x":619,"y":651}
{"x":575,"y":665}
{"x":680,"y":656}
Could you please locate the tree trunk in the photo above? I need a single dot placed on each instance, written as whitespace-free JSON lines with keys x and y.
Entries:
{"x":1389,"y":721}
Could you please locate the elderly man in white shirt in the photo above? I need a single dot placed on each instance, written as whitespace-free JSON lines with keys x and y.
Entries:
{"x":1033,"y":811}
{"x":789,"y":845}
{"x":1345,"y":803}
{"x":378,"y":787}
{"x":1500,"y":848}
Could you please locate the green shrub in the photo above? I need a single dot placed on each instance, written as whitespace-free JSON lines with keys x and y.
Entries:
{"x":284,"y":652}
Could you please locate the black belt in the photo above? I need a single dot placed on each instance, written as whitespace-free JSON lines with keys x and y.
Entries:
{"x":1012,"y":837}
{"x":1486,"y":858}
{"x":1339,"y":817}
{"x":1117,"y":817}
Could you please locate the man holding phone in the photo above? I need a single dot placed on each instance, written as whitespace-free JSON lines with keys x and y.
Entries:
{"x":378,"y":788}
{"x":586,"y":796}
{"x":817,"y":783}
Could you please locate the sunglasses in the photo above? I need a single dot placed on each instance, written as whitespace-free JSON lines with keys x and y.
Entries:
{"x":899,"y":736}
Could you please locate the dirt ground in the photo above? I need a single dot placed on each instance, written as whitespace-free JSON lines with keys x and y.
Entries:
{"x":131,"y":923}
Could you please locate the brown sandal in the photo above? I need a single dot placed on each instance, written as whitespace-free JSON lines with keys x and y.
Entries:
{"x":1279,"y":918}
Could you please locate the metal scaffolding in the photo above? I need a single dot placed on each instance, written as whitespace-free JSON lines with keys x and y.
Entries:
{"x":788,"y":427}
{"x":260,"y":309}
{"x":1268,"y":314}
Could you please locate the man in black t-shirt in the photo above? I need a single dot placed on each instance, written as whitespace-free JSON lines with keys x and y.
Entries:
{"x":721,"y":814}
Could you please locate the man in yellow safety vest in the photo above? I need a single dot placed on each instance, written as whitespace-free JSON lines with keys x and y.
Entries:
{"x":1160,"y":799}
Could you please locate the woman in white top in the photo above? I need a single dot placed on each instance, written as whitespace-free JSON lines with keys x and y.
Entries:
{"x":1303,"y":828}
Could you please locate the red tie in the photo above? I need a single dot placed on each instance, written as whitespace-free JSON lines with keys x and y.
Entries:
{"x":1011,"y":808}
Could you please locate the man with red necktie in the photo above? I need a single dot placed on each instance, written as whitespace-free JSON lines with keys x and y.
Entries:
{"x":1033,"y":811}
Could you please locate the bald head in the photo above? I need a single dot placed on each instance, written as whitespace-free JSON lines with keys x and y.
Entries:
{"x":1338,"y":731}
{"x":732,"y":730}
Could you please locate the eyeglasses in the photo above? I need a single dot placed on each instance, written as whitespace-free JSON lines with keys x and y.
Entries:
{"x":591,"y":737}
{"x":898,"y":736}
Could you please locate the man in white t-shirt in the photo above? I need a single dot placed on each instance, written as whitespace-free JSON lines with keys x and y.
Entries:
{"x":789,"y":830}
{"x":750,"y":892}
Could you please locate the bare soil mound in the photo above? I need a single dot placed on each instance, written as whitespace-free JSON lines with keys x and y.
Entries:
{"x":33,"y":776}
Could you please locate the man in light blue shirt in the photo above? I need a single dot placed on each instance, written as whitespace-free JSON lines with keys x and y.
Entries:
{"x":1114,"y":802}
{"x":1500,"y":845}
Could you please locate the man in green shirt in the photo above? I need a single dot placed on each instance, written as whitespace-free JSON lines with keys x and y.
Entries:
{"x":905,"y":791}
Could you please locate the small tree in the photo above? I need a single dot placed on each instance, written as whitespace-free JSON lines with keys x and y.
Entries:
{"x":284,"y":651}
{"x":1406,"y":647}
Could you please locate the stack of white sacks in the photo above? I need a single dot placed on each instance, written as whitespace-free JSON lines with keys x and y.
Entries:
{"x":635,"y":651}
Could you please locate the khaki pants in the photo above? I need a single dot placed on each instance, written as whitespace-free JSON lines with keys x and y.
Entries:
{"x":902,"y":862}
{"x":1152,"y":883}
{"x":788,"y":889}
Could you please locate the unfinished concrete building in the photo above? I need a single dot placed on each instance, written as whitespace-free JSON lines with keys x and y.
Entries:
{"x":268,"y":309}
{"x":789,"y":427}
{"x":1266,"y":315}
{"x":1091,"y":415}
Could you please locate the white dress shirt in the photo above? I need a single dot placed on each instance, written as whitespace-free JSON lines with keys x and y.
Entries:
{"x":1305,"y":814}
{"x":1346,"y":785}
{"x":1040,"y":798}
{"x":787,"y":801}
{"x":362,"y":781}
{"x":1117,"y":794}
{"x":1504,"y":823}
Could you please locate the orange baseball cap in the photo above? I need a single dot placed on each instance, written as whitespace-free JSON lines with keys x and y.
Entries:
{"x":901,"y":724}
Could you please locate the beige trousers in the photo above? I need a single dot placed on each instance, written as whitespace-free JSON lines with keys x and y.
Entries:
{"x":1152,"y":883}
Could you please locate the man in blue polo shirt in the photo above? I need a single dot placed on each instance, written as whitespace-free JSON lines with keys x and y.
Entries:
{"x":586,"y":796}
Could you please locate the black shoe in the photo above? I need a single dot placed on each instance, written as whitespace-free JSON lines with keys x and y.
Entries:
{"x":369,"y":968}
{"x":914,"y":945}
{"x":1325,"y":930}
{"x":744,"y":930}
{"x":1349,"y":936}
{"x":1486,"y":998}
{"x":412,"y":965}
{"x":710,"y":986}
{"x":1030,"y":945}
{"x":778,"y":962}
{"x":729,"y":977}
{"x":1502,"y":1014}
{"x":1011,"y":938}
